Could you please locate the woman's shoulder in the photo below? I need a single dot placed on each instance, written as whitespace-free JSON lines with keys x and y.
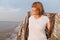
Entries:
{"x":45,"y":16}
{"x":31,"y":17}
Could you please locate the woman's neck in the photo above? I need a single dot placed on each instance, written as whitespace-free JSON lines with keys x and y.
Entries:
{"x":37,"y":16}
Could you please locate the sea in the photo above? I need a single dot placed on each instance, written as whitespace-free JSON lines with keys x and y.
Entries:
{"x":8,"y":30}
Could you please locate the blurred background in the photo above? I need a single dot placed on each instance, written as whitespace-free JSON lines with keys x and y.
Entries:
{"x":12,"y":12}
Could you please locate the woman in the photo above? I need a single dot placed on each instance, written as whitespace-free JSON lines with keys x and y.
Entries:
{"x":38,"y":22}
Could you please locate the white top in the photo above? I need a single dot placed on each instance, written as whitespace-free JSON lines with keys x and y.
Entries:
{"x":37,"y":28}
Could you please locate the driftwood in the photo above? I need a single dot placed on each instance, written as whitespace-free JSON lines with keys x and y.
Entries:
{"x":23,"y":32}
{"x":56,"y":31}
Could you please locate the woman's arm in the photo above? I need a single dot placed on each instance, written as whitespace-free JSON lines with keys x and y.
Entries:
{"x":48,"y":26}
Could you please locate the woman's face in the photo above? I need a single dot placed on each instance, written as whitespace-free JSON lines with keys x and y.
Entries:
{"x":35,"y":11}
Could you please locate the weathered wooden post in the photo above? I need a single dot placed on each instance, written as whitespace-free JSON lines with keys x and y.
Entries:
{"x":23,"y":32}
{"x":56,"y":32}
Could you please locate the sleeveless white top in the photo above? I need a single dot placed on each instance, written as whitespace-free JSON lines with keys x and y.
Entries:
{"x":37,"y":28}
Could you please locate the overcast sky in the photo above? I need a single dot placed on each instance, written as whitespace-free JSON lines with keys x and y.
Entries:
{"x":14,"y":10}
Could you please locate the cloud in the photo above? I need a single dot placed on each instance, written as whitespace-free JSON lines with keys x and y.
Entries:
{"x":9,"y":14}
{"x":9,"y":9}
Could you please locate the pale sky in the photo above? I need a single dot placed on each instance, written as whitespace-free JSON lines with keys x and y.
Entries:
{"x":15,"y":10}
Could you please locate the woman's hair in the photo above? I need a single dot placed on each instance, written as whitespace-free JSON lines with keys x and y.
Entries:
{"x":39,"y":6}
